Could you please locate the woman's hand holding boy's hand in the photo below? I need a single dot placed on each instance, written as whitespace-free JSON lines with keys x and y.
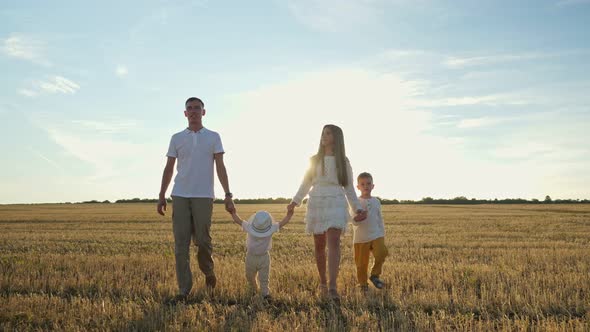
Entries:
{"x":291,"y":207}
{"x":360,"y":215}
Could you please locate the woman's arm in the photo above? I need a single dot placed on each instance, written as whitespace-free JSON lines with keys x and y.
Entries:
{"x":305,"y":186}
{"x":286,"y":219}
{"x":351,"y":196}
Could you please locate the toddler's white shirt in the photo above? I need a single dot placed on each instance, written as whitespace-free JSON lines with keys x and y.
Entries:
{"x":259,"y":245}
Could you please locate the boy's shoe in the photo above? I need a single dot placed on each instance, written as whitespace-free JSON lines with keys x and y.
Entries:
{"x":323,"y":290}
{"x":378,"y":283}
{"x":210,"y":281}
{"x":267,"y":297}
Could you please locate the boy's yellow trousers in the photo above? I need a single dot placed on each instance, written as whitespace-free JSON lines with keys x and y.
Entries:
{"x":361,"y":258}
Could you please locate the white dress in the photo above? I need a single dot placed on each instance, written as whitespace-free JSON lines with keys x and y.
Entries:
{"x":327,"y":206}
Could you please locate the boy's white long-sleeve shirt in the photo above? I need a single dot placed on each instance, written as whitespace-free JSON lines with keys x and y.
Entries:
{"x":372,"y":227}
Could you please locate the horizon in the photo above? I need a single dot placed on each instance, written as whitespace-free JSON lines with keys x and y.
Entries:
{"x":218,"y":200}
{"x":435,"y":98}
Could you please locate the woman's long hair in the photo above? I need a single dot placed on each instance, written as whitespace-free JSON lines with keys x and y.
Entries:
{"x":339,"y":154}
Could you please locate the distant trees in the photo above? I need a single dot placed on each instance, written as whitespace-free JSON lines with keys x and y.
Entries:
{"x":465,"y":200}
{"x":384,"y":201}
{"x":279,"y":200}
{"x":140,"y":200}
{"x":96,"y":202}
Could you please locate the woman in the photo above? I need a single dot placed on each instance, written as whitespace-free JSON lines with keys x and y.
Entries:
{"x":330,"y":179}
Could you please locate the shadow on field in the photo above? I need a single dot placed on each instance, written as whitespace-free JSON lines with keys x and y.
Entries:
{"x":222,"y":311}
{"x":334,"y":319}
{"x":200,"y":311}
{"x":155,"y":318}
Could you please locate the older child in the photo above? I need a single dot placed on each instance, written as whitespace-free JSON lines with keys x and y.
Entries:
{"x":369,"y":235}
{"x":260,"y":228}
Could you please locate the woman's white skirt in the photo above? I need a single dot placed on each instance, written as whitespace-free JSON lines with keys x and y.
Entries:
{"x":325,"y":212}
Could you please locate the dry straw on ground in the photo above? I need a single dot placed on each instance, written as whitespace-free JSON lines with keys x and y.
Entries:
{"x":111,"y":267}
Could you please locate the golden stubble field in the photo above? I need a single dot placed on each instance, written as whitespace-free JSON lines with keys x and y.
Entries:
{"x":111,"y":267}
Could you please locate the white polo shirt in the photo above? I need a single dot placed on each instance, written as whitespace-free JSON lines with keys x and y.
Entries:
{"x":194,"y":162}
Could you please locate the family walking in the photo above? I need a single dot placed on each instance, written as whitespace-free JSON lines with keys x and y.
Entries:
{"x":328,"y":183}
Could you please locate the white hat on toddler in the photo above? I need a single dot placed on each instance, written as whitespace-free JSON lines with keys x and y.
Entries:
{"x":260,"y":224}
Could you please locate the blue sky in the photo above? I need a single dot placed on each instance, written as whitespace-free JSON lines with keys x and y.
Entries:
{"x":483,"y":99}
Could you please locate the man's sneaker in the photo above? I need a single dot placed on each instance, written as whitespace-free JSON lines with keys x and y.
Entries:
{"x":210,"y":281}
{"x":378,"y":283}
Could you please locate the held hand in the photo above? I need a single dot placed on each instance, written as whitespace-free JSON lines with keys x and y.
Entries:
{"x":360,"y":215}
{"x":291,"y":207}
{"x":229,"y":205}
{"x":161,"y":206}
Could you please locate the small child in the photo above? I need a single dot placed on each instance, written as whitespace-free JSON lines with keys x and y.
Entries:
{"x":369,"y":235}
{"x":260,"y":228}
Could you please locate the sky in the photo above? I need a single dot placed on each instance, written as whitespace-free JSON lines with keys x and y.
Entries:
{"x":484,"y":99}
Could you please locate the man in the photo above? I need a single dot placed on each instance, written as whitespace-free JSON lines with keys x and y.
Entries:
{"x":196,"y":148}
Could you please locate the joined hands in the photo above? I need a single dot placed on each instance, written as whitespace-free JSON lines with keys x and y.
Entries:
{"x":360,"y":215}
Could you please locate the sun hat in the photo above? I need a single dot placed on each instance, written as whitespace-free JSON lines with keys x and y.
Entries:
{"x":260,"y":224}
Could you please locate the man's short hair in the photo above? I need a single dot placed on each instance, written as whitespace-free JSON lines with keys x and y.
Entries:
{"x":364,"y":175}
{"x":194,"y":99}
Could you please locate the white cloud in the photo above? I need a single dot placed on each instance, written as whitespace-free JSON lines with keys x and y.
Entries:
{"x":479,"y":122}
{"x":45,"y":158}
{"x":149,"y":25}
{"x":108,"y":157}
{"x":121,"y":71}
{"x":28,"y":93}
{"x":53,"y":85}
{"x":93,"y":161}
{"x":496,"y":99}
{"x":107,"y":127}
{"x":523,"y":150}
{"x":58,"y":84}
{"x":460,"y":62}
{"x":332,"y":15}
{"x":404,"y":60}
{"x":278,"y":128}
{"x":26,"y":48}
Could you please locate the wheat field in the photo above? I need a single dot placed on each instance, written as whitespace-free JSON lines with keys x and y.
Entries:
{"x":483,"y":267}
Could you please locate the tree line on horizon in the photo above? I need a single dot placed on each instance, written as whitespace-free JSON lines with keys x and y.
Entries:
{"x":384,"y":201}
